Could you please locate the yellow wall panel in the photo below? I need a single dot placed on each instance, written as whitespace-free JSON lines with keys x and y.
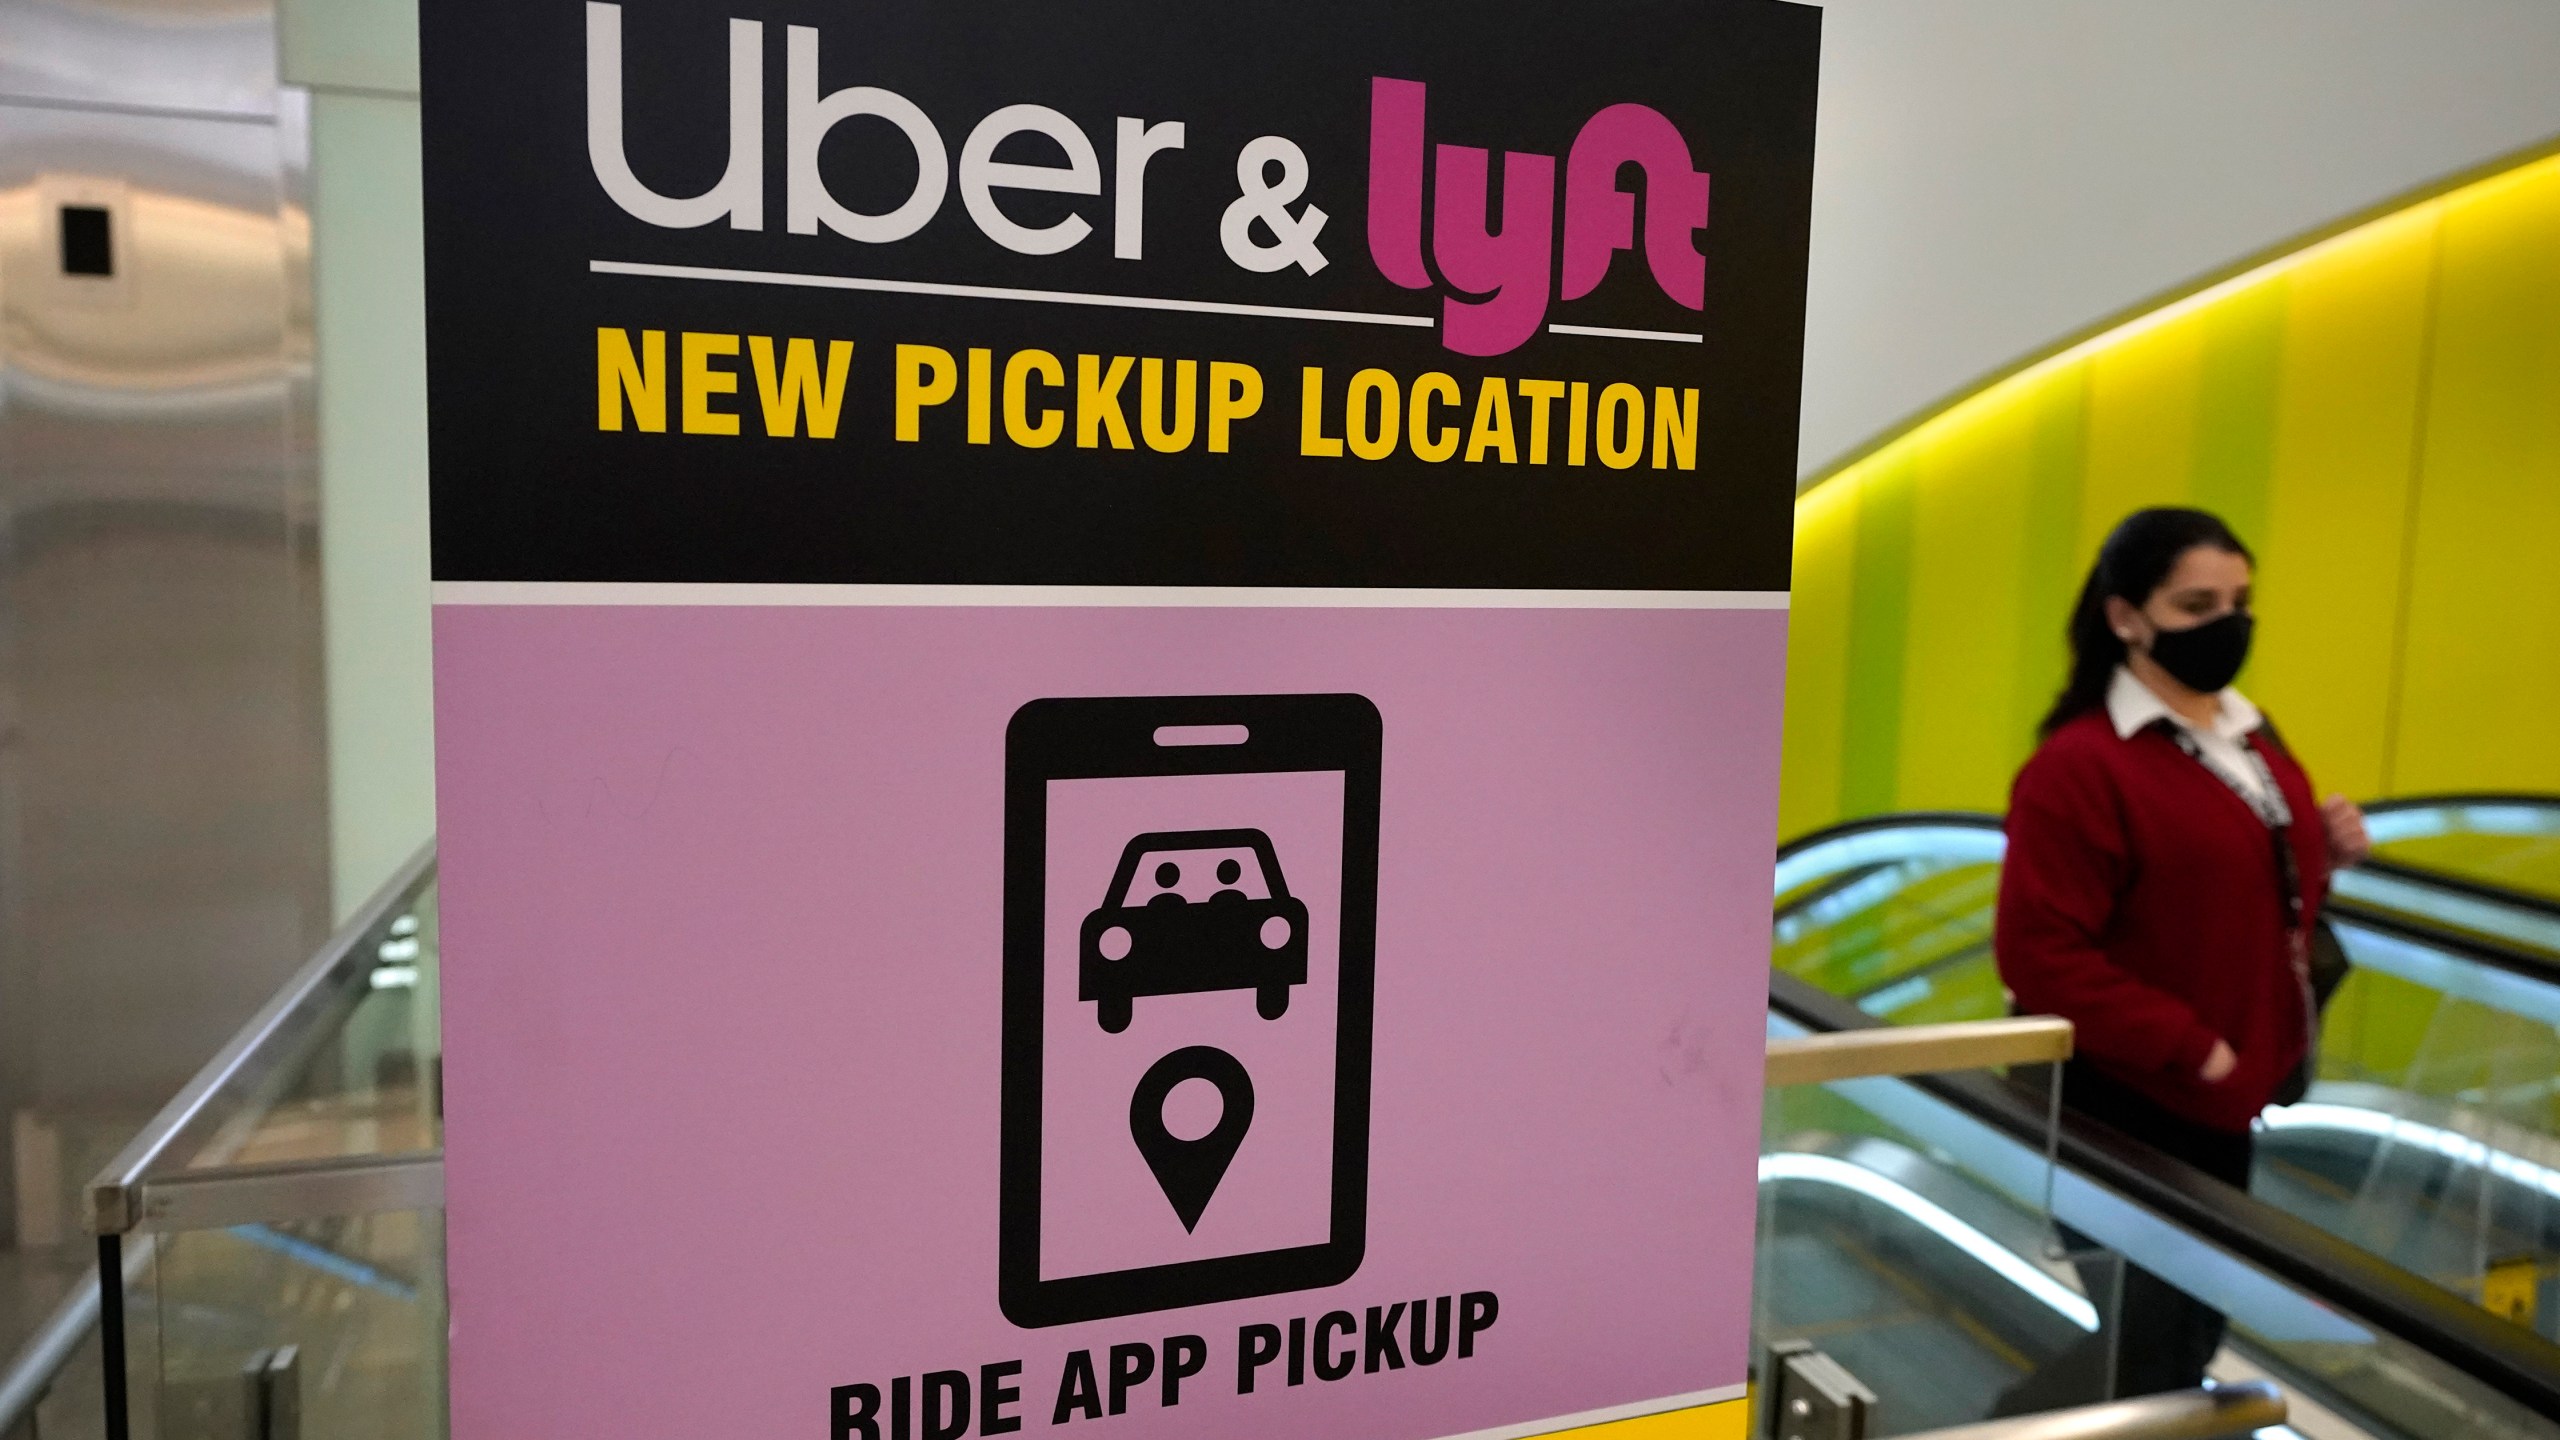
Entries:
{"x":2238,"y":390}
{"x":2480,"y":697}
{"x":1961,"y":648}
{"x":2338,"y":497}
{"x":2142,"y":426}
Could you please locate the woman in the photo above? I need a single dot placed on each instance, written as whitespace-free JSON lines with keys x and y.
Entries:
{"x":2166,"y":862}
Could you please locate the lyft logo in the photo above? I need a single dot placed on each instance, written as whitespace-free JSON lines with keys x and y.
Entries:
{"x":1513,"y":263}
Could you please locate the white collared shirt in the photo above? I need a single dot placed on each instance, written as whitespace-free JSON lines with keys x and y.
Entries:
{"x":2132,"y":705}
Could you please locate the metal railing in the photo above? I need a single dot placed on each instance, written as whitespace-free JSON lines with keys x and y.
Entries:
{"x":139,"y":1191}
{"x":47,"y":1352}
{"x":1919,"y":1049}
{"x":204,"y":1121}
{"x":169,"y":1176}
{"x":181,"y":1171}
{"x":2178,"y":1415}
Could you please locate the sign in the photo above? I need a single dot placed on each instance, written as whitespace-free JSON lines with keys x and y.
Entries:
{"x":1107,"y":690}
{"x":2510,"y":1286}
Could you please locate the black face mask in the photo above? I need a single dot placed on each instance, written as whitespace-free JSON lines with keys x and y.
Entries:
{"x":2205,"y":657}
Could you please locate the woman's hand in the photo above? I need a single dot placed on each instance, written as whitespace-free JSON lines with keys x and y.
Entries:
{"x":2219,"y":1065}
{"x":2348,"y":842}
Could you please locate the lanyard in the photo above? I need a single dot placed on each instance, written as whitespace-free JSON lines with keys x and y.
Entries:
{"x":2278,"y":815}
{"x":2268,"y":805}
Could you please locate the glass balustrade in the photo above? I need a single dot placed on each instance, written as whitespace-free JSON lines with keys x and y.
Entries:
{"x":280,"y":1231}
{"x":2507,"y":842}
{"x":1945,"y":1291}
{"x":279,"y":1226}
{"x":1942,"y":1261}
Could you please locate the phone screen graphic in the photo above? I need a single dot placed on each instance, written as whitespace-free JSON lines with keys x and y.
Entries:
{"x":1189,"y":910}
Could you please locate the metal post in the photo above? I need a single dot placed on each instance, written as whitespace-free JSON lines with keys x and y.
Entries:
{"x":274,"y":1379}
{"x":1811,"y":1396}
{"x":111,"y":1362}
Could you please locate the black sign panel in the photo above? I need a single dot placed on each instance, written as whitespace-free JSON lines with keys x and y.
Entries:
{"x":1339,"y":294}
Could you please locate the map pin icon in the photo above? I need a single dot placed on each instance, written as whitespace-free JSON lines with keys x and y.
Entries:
{"x":1188,"y":1171}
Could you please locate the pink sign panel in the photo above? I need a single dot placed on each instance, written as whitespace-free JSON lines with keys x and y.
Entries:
{"x":739,"y":1039}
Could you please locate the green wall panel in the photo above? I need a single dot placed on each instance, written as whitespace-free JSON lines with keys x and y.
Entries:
{"x":1879,"y":598}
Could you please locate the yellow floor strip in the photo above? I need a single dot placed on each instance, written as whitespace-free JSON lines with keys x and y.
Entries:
{"x":1730,"y":1420}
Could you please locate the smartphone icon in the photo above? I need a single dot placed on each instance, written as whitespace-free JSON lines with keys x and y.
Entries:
{"x":1189,"y":923}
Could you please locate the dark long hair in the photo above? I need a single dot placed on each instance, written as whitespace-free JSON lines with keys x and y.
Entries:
{"x":2132,"y":564}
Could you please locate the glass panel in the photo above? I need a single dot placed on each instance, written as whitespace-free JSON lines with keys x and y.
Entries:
{"x":2514,"y":923}
{"x":366,"y":1081}
{"x":1896,"y":917}
{"x":1891,"y":923}
{"x":1941,"y":1287}
{"x":2430,"y":1139}
{"x":360,"y":1299}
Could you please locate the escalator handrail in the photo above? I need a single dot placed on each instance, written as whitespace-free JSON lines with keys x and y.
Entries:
{"x":2478,"y":949}
{"x":266,"y":1047}
{"x":1894,"y":820}
{"x":2201,"y":1414}
{"x":2504,"y":1356}
{"x":2479,"y":799}
{"x":28,"y":1378}
{"x":2526,"y":900}
{"x":2496,"y":954}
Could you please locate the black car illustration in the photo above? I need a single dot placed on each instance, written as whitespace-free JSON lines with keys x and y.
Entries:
{"x":1192,"y":911}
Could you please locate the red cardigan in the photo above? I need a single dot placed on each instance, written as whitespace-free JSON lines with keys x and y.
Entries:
{"x":2142,"y":901}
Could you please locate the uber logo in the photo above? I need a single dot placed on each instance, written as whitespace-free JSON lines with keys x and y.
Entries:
{"x":808,"y":205}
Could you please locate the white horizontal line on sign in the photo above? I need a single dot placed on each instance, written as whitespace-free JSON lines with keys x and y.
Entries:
{"x":616,"y":592}
{"x":1638,"y":1410}
{"x":993,"y":292}
{"x":1681,"y":336}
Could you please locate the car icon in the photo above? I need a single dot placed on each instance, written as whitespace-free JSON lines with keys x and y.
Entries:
{"x":1192,"y":911}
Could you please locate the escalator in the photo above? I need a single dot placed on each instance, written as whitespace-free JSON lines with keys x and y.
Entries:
{"x":2432,"y":1137}
{"x":1907,"y":1232}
